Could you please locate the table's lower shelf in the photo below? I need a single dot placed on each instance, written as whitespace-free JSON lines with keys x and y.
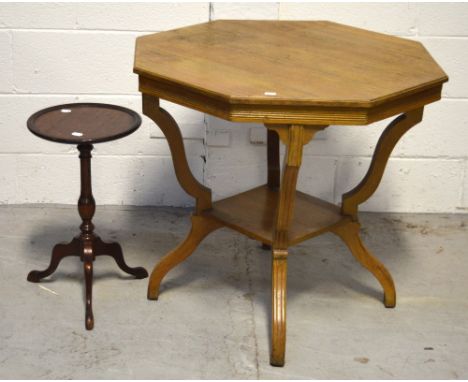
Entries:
{"x":253,"y":213}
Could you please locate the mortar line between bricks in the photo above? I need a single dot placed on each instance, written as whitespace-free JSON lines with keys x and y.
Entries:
{"x":336,"y":169}
{"x":413,"y":158}
{"x":204,"y":155}
{"x":96,"y":154}
{"x":137,"y":94}
{"x":430,"y":37}
{"x":6,"y":94}
{"x":210,"y":11}
{"x":135,"y":31}
{"x":462,"y":188}
{"x":11,"y":60}
{"x":82,"y":30}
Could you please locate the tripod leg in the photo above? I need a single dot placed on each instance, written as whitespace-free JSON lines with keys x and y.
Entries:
{"x":58,"y":253}
{"x":88,"y":274}
{"x":115,"y":250}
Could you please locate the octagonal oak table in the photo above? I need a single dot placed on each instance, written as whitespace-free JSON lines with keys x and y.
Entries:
{"x":296,"y":78}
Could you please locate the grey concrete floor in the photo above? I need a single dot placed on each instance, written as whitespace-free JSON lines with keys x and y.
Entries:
{"x":212,"y":318}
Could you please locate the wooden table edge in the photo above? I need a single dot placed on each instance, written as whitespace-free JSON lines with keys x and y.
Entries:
{"x":318,"y":114}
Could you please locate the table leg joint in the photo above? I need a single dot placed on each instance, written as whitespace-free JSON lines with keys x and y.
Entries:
{"x":174,"y":138}
{"x":294,"y":137}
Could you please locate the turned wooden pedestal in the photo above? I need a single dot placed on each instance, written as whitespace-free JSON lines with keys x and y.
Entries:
{"x":295,"y":78}
{"x":83,"y":124}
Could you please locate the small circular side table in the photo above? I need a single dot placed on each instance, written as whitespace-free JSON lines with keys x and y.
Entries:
{"x":84,"y":124}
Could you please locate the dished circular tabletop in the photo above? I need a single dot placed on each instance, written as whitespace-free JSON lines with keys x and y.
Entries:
{"x":83,"y":123}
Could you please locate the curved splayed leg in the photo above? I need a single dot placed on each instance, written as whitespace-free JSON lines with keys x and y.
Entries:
{"x":201,"y":227}
{"x":59,"y":252}
{"x":88,"y":274}
{"x":115,"y":251}
{"x":278,"y":307}
{"x":349,"y":233}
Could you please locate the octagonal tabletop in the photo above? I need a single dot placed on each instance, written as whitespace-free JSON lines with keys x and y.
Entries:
{"x":314,"y":72}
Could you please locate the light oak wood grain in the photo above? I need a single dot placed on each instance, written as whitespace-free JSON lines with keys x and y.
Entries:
{"x":171,"y":131}
{"x":279,"y":270}
{"x":305,"y":72}
{"x":295,"y":77}
{"x":253,"y":213}
{"x":349,"y":233}
{"x":201,"y":227}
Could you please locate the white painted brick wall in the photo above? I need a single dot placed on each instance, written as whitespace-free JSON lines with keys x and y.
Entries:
{"x":55,"y":53}
{"x":393,"y":18}
{"x":5,"y":62}
{"x":427,"y":169}
{"x":154,"y":17}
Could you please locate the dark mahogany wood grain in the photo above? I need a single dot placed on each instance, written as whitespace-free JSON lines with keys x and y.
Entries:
{"x":97,"y":123}
{"x":83,"y":123}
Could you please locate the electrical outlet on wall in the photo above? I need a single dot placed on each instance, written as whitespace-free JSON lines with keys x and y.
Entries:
{"x":258,"y":135}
